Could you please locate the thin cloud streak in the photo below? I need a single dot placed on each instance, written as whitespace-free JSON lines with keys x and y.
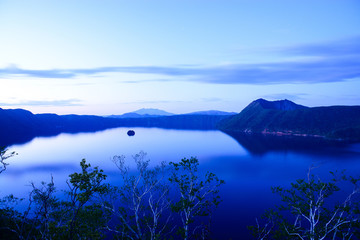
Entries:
{"x":68,"y":102}
{"x":343,"y":47}
{"x":331,"y":62}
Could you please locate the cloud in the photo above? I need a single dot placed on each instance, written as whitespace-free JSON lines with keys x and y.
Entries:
{"x":345,"y":47}
{"x":14,"y":70}
{"x":317,"y":63}
{"x":67,"y":102}
{"x":72,"y":73}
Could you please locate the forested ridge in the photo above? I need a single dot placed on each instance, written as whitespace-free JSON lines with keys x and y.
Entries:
{"x":287,"y":118}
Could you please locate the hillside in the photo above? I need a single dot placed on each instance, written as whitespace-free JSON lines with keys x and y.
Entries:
{"x":287,"y":118}
{"x":212,"y":112}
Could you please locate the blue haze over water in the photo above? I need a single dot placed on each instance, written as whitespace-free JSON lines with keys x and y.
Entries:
{"x":249,"y":174}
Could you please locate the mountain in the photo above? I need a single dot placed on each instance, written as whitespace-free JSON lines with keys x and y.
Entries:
{"x":19,"y":126}
{"x":144,"y":112}
{"x":152,"y":111}
{"x":127,"y":115}
{"x":287,"y":118}
{"x":212,"y":112}
{"x":259,"y":117}
{"x":285,"y":105}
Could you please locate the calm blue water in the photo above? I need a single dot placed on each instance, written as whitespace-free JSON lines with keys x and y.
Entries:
{"x":249,"y":167}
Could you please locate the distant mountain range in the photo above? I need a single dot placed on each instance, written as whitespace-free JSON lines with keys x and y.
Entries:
{"x":276,"y":118}
{"x":287,"y":118}
{"x":144,"y":112}
{"x":151,"y":112}
{"x":19,"y":126}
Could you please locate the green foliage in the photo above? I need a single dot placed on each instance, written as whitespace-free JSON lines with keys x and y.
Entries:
{"x":85,"y":184}
{"x":82,"y":187}
{"x":48,"y":218}
{"x":141,"y":206}
{"x":309,"y":212}
{"x":197,"y":195}
{"x":13,"y":223}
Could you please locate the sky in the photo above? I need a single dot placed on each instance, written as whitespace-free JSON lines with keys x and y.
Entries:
{"x":112,"y":57}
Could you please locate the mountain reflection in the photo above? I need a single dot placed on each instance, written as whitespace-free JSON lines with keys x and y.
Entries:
{"x":259,"y":144}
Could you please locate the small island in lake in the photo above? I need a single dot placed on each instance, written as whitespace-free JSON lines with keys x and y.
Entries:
{"x":278,"y":118}
{"x":131,"y":133}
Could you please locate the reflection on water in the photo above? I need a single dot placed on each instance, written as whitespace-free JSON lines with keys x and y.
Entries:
{"x":249,"y":165}
{"x":258,"y":144}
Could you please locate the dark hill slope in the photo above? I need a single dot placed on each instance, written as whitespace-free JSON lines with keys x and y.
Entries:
{"x":19,"y":126}
{"x":14,"y":128}
{"x":287,"y":118}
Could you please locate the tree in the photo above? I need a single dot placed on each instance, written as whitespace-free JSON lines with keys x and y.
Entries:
{"x":197,"y":195}
{"x":85,"y":219}
{"x":264,"y":230}
{"x":141,"y":204}
{"x":3,"y":157}
{"x":141,"y":207}
{"x":15,"y":224}
{"x":312,"y":212}
{"x":46,"y":217}
{"x":46,"y":204}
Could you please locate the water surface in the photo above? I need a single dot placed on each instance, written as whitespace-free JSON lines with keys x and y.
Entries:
{"x":249,"y":166}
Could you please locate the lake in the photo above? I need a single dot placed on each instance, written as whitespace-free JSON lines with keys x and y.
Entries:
{"x":250,"y":166}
